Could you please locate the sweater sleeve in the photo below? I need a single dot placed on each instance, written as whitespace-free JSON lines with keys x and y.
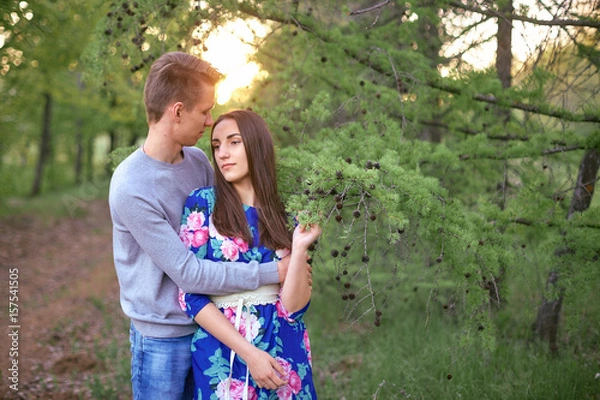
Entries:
{"x":140,"y":217}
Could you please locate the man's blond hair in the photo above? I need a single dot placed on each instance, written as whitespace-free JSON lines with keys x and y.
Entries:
{"x":176,"y":76}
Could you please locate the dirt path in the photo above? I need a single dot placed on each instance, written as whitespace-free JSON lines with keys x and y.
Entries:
{"x":68,"y":311}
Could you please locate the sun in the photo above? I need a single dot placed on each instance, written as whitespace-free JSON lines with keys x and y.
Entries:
{"x":228,"y":48}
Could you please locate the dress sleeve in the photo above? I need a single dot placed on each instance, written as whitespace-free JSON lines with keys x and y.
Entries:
{"x":194,"y":233}
{"x":291,"y":318}
{"x":194,"y":303}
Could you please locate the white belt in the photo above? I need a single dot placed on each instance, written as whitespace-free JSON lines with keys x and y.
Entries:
{"x":263,"y":295}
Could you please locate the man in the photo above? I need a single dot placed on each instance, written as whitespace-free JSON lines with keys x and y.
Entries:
{"x":146,"y":197}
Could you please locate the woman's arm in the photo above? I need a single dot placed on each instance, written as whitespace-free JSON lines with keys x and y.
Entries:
{"x":296,"y":289}
{"x":262,"y":366}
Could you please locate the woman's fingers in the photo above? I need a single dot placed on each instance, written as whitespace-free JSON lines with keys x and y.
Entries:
{"x":271,"y":383}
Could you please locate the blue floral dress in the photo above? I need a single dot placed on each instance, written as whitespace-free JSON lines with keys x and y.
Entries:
{"x":268,"y":326}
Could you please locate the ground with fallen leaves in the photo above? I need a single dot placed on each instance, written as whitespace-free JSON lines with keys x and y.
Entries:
{"x":70,"y":325}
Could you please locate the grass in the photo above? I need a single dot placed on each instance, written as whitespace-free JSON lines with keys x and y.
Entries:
{"x":405,"y":358}
{"x":57,"y":204}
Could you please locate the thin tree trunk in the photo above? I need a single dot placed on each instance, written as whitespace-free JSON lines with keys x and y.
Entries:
{"x":79,"y":141}
{"x":504,"y":59}
{"x":44,"y":145}
{"x":586,"y":182}
{"x":89,"y":158}
{"x":548,"y":318}
{"x":431,"y":132}
{"x":79,"y":154}
{"x":504,"y":51}
{"x":504,"y":56}
{"x":112,"y":145}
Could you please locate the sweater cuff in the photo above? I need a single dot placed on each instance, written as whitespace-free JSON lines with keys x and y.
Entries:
{"x":269,"y":274}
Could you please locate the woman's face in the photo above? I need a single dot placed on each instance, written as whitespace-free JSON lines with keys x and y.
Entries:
{"x":230,"y":152}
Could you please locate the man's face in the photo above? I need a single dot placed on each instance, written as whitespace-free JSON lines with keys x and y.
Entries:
{"x":194,"y":121}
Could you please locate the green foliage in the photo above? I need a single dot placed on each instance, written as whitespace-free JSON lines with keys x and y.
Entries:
{"x":118,"y":155}
{"x":417,"y":350}
{"x":450,"y":184}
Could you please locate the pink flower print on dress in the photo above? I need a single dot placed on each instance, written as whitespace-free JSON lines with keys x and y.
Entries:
{"x":195,"y":220}
{"x":241,"y":244}
{"x":294,"y":383}
{"x":200,"y":237}
{"x":185,"y":235}
{"x":230,"y":314}
{"x":307,"y":347}
{"x":181,"y":298}
{"x":230,"y":250}
{"x":254,"y":326}
{"x":282,"y":312}
{"x":236,"y":390}
{"x":284,"y":392}
{"x":212,"y":231}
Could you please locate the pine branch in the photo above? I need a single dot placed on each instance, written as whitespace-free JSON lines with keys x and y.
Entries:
{"x":541,"y":110}
{"x":562,"y":149}
{"x":528,"y":222}
{"x":515,"y":17}
{"x":468,"y":131}
{"x":248,"y":9}
{"x":555,"y":150}
{"x":491,"y":99}
{"x":369,"y":9}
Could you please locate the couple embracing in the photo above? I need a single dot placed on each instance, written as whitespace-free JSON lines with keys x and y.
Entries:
{"x":215,"y":282}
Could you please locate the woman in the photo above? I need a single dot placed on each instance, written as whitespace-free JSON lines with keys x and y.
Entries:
{"x":242,"y":219}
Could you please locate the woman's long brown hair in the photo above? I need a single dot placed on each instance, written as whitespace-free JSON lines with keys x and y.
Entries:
{"x":228,"y":216}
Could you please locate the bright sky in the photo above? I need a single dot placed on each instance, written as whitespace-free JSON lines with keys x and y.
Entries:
{"x":525,"y":38}
{"x":228,"y":49}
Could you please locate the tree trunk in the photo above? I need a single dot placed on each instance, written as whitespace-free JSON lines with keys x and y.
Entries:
{"x":79,"y":154}
{"x":504,"y":50}
{"x":431,"y":132}
{"x":79,"y":140}
{"x":504,"y":59}
{"x":112,"y":145}
{"x":89,"y":143}
{"x":44,"y":145}
{"x":504,"y":54}
{"x":548,"y":318}
{"x":586,"y":182}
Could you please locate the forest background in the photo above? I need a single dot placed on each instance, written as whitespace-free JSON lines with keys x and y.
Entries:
{"x":450,"y":149}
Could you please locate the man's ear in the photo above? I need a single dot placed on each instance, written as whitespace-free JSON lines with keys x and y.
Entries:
{"x":176,"y":110}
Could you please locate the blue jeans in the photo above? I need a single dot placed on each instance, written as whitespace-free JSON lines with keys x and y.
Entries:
{"x":161,"y":368}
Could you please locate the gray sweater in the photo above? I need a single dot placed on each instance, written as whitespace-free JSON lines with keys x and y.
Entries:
{"x":146,"y":200}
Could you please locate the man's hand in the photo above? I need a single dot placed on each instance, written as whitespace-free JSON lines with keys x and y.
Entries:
{"x":282,"y":268}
